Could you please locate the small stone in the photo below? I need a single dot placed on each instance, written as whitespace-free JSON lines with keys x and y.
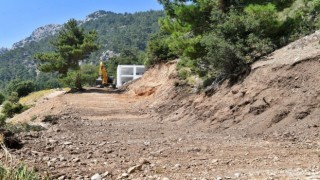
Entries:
{"x":50,"y":164}
{"x":177,"y":166}
{"x":61,"y":177}
{"x":96,"y":177}
{"x":124,"y":175}
{"x":56,"y":129}
{"x":193,"y":149}
{"x":237,"y":175}
{"x":76,"y":160}
{"x":234,"y":91}
{"x":101,"y":144}
{"x":109,"y":151}
{"x":62,"y":158}
{"x":214,"y":161}
{"x":52,"y":141}
{"x":147,"y":143}
{"x":67,"y":143}
{"x":89,"y":156}
{"x":134,"y":168}
{"x":54,"y":160}
{"x":107,"y":173}
{"x":46,"y":158}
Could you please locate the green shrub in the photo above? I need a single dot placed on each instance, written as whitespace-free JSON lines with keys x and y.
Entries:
{"x":158,"y":50}
{"x":222,"y":38}
{"x":184,"y":73}
{"x":23,"y":88}
{"x":70,"y":79}
{"x":23,"y":127}
{"x":2,"y":120}
{"x":86,"y":76}
{"x":9,"y":109}
{"x":21,"y":172}
{"x":14,"y":97}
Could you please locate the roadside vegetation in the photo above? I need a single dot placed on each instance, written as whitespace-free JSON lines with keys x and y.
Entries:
{"x":10,"y":170}
{"x":18,"y":173}
{"x":219,"y":39}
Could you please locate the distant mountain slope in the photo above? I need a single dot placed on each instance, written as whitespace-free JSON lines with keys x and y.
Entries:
{"x":38,"y":34}
{"x":116,"y":32}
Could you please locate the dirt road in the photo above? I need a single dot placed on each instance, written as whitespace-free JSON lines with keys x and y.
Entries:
{"x":106,"y":132}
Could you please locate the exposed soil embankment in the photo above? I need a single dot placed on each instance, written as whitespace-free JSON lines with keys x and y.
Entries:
{"x":279,"y":99}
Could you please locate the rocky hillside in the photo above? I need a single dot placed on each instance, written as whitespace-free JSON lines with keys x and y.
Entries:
{"x":52,"y":29}
{"x":116,"y":32}
{"x":38,"y":34}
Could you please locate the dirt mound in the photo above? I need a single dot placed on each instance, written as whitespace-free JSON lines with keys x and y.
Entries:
{"x":279,"y":99}
{"x":156,"y":81}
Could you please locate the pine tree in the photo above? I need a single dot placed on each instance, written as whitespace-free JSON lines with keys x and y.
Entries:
{"x":72,"y":45}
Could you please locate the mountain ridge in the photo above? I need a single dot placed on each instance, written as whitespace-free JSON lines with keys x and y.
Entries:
{"x":18,"y":62}
{"x":52,"y":29}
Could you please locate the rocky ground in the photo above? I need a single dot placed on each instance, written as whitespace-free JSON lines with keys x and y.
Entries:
{"x":266,"y":126}
{"x":105,"y":134}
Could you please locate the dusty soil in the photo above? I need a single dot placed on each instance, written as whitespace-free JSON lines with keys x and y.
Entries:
{"x":264,"y":127}
{"x":103,"y":131}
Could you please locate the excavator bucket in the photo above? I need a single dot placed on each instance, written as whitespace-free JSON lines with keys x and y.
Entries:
{"x":99,"y":82}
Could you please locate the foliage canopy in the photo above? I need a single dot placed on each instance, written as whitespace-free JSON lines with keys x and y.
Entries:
{"x":221,"y":38}
{"x":72,"y":45}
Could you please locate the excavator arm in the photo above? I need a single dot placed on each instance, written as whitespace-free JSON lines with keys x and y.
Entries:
{"x":103,"y":73}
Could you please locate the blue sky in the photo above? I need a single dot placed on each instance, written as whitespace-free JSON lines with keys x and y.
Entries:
{"x":18,"y":18}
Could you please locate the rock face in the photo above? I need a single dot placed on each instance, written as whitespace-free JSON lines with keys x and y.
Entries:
{"x":106,"y":55}
{"x":3,"y":50}
{"x":52,"y":29}
{"x":38,"y":34}
{"x":96,"y":15}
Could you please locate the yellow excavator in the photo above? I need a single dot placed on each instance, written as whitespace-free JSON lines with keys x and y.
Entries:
{"x":103,"y":80}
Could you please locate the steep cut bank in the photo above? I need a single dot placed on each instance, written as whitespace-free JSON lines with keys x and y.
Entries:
{"x":279,"y":99}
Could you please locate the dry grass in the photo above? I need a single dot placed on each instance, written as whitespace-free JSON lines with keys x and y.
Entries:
{"x":35,"y":96}
{"x":8,"y":156}
{"x":11,"y":169}
{"x":32,"y":98}
{"x":1,"y":138}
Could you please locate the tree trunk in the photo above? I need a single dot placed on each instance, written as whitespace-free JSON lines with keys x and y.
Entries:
{"x":78,"y":83}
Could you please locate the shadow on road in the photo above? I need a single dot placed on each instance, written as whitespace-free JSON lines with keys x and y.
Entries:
{"x":103,"y":91}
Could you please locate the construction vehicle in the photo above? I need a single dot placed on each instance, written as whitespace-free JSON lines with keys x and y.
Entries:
{"x":104,"y":80}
